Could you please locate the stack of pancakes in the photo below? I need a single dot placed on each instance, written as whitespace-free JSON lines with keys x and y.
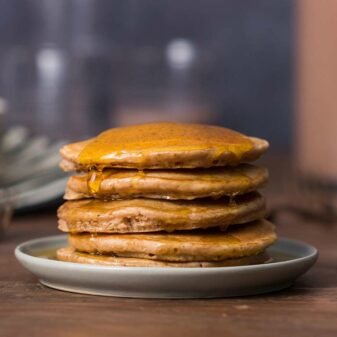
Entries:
{"x":165,"y":194}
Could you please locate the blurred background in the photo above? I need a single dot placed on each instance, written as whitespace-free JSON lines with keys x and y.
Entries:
{"x":72,"y":68}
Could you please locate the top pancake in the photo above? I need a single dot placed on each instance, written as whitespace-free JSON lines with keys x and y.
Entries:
{"x":162,"y":145}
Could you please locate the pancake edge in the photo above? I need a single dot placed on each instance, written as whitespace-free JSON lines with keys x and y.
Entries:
{"x":157,"y":187}
{"x":143,"y":220}
{"x":249,"y":239}
{"x":68,"y":254}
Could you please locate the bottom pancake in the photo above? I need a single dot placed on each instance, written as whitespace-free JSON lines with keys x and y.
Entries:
{"x":69,"y":254}
{"x":185,"y":246}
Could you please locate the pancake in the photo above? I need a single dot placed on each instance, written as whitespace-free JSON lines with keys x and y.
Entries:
{"x":203,"y":245}
{"x":70,"y":255}
{"x":147,"y":215}
{"x":167,"y":184}
{"x":162,"y":145}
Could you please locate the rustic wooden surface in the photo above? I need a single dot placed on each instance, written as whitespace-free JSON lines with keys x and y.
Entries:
{"x":309,"y":308}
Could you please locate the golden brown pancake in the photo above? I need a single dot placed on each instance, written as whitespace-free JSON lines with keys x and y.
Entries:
{"x":203,"y":245}
{"x":167,"y":184}
{"x":148,"y":215}
{"x":163,"y":145}
{"x":70,"y":255}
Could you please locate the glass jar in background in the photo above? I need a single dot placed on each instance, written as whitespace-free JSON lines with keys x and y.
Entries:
{"x":317,"y":87}
{"x":316,"y":113}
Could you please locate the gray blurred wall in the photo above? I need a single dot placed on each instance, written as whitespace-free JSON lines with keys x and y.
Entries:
{"x":251,"y":43}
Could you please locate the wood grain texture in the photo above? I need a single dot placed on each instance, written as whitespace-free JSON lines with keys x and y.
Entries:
{"x":307,"y":309}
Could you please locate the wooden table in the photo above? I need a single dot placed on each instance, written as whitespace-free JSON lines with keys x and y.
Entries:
{"x":27,"y":308}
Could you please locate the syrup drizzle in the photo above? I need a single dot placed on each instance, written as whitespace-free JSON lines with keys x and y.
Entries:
{"x":232,"y":199}
{"x":94,"y":180}
{"x":134,"y":145}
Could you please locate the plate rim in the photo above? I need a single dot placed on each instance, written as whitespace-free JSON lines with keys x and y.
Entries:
{"x":21,"y":255}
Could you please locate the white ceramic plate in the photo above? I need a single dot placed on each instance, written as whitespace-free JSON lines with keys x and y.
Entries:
{"x":292,"y":259}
